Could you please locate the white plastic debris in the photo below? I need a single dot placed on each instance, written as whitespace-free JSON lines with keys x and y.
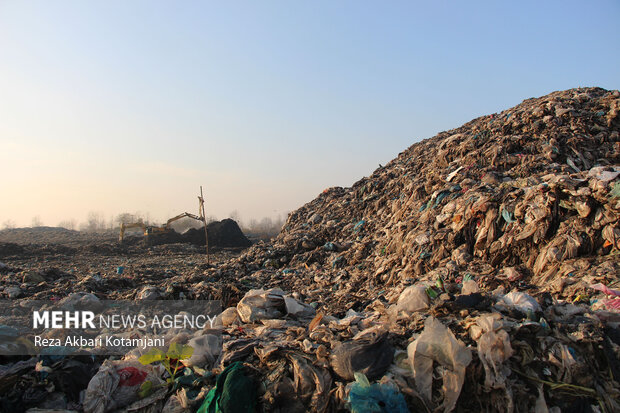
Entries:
{"x":438,"y":344}
{"x":261,"y":304}
{"x":493,"y":348}
{"x":520,"y":301}
{"x":412,"y":299}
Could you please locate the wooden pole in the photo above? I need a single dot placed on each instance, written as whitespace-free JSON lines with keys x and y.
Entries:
{"x":201,"y":211}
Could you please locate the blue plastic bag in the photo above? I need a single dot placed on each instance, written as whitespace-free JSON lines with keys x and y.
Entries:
{"x":375,"y":398}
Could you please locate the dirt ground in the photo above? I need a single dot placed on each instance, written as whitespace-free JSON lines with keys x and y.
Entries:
{"x":55,"y":235}
{"x":46,"y":263}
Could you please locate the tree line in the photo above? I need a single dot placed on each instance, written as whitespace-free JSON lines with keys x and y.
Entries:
{"x":97,"y":222}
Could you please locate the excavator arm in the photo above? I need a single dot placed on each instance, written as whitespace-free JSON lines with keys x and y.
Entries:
{"x":183,"y":215}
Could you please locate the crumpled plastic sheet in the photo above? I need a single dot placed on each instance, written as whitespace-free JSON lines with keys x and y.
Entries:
{"x":612,"y":303}
{"x":603,"y":288}
{"x":309,"y":389}
{"x":116,"y":385}
{"x":298,"y":309}
{"x":520,"y":301}
{"x":207,"y":348}
{"x":375,"y":398}
{"x":371,"y":355}
{"x":493,"y":348}
{"x":470,"y":287}
{"x":270,"y":304}
{"x":438,"y":344}
{"x":412,"y":299}
{"x":261,"y":304}
{"x":311,"y":383}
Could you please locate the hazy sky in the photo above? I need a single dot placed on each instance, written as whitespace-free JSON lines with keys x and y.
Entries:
{"x":117,"y":106}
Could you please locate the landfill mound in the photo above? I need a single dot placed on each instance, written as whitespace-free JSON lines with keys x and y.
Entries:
{"x":530,"y":188}
{"x":505,"y":230}
{"x":476,"y":272}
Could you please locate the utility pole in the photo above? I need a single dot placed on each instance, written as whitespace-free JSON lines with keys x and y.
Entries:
{"x":201,"y":211}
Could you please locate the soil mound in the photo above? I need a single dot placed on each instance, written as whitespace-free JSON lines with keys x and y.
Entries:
{"x":223,"y":234}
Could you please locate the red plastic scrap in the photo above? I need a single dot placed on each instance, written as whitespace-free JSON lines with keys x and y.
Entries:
{"x":130,"y":376}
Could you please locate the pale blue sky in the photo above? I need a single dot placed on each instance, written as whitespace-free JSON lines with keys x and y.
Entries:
{"x":117,"y":106}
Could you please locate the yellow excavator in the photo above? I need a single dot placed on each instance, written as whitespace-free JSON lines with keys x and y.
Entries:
{"x":152,"y":229}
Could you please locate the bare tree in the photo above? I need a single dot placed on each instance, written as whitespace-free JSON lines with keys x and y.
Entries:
{"x":8,"y":224}
{"x":126,"y":218}
{"x":234,"y":215}
{"x":94,"y":222}
{"x":266,"y":224}
{"x":68,"y":224}
{"x":266,"y":228}
{"x":36,"y":221}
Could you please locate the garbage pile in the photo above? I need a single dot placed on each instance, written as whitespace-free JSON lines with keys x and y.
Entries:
{"x":477,"y":271}
{"x":488,"y":255}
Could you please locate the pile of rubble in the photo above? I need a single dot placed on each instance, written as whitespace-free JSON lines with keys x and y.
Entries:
{"x":477,"y":271}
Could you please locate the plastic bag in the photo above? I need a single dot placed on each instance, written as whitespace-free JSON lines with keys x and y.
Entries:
{"x":261,"y":304}
{"x":227,"y":317}
{"x":375,"y":398}
{"x":185,"y":400}
{"x":312,"y":383}
{"x":371,"y":355}
{"x":81,"y":300}
{"x":493,"y":348}
{"x":207,"y":348}
{"x":116,"y":385}
{"x":520,"y":301}
{"x":269,"y":304}
{"x":175,"y":405}
{"x":437,"y":343}
{"x":603,"y":288}
{"x":470,"y":287}
{"x":613,"y":303}
{"x":149,"y":292}
{"x":298,"y":309}
{"x":412,"y":299}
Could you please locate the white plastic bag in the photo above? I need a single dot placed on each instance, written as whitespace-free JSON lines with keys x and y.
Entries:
{"x":261,"y":304}
{"x":493,"y":348}
{"x":412,"y":299}
{"x":437,"y":343}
